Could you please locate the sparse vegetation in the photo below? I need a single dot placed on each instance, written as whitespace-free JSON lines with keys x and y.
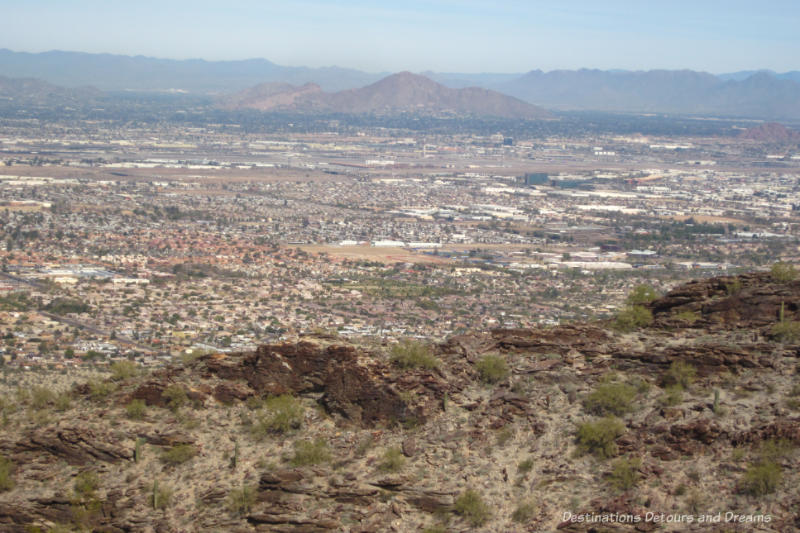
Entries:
{"x":734,"y":287}
{"x":696,"y":501}
{"x":738,"y":453}
{"x":775,"y":449}
{"x":121,"y":370}
{"x":6,"y":479}
{"x":138,"y":449}
{"x":307,"y":453}
{"x":642,"y":294}
{"x":632,"y":318}
{"x":613,"y":398}
{"x":410,"y":353}
{"x":690,"y":317}
{"x":679,"y":373}
{"x":471,"y":506}
{"x":783,"y":272}
{"x":241,"y":500}
{"x":178,"y":454}
{"x":62,"y":402}
{"x":136,"y":409}
{"x":765,"y":475}
{"x":160,"y":496}
{"x":597,"y":437}
{"x":392,"y":461}
{"x":42,"y":397}
{"x":280,"y":415}
{"x":761,"y":478}
{"x":100,"y":390}
{"x":624,"y":473}
{"x":786,"y":331}
{"x":673,"y":395}
{"x":525,"y":466}
{"x":793,"y":399}
{"x":86,"y":484}
{"x":175,"y":396}
{"x":524,"y":512}
{"x":492,"y":368}
{"x":504,"y":435}
{"x":716,"y":406}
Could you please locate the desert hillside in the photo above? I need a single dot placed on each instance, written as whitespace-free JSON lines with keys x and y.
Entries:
{"x":687,"y":405}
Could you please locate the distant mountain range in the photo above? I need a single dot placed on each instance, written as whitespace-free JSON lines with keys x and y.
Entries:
{"x":29,"y":90}
{"x":753,"y":94}
{"x":659,"y":91}
{"x":120,"y":73}
{"x":398,"y":93}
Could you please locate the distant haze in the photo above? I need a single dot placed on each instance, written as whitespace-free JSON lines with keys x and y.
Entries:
{"x":439,"y":35}
{"x":760,"y":94}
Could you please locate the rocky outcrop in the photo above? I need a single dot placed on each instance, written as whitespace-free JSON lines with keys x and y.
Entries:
{"x":781,"y":429}
{"x":559,"y":340}
{"x":16,"y":517}
{"x":729,"y":302}
{"x":284,"y":494}
{"x":76,"y":445}
{"x":706,"y":358}
{"x":352,"y":384}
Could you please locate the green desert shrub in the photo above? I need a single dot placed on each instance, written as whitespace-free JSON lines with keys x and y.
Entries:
{"x":86,"y":484}
{"x":632,"y":318}
{"x":787,"y":331}
{"x":504,"y":435}
{"x":642,"y":294}
{"x":241,"y":500}
{"x":673,"y":395}
{"x":624,"y":474}
{"x":783,"y":272}
{"x":734,"y":287}
{"x":641,"y":385}
{"x":175,"y":396}
{"x":121,"y":370}
{"x":524,"y":512}
{"x":136,"y":409}
{"x":775,"y":449}
{"x":680,"y":374}
{"x":688,"y":316}
{"x":307,"y":453}
{"x":610,"y":399}
{"x":410,"y":353}
{"x":525,"y":466}
{"x":6,"y":470}
{"x":280,"y":415}
{"x":471,"y":506}
{"x":160,"y":496}
{"x":100,"y":390}
{"x":63,"y":402}
{"x":761,"y":478}
{"x":392,"y":461}
{"x":597,"y":437}
{"x":492,"y":368}
{"x":178,"y":454}
{"x":41,"y":397}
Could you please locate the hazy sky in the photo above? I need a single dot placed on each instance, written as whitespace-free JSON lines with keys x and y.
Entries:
{"x":442,"y":35}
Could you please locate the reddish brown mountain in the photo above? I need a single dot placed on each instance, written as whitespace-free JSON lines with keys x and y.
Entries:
{"x":398,"y":93}
{"x":772,"y":132}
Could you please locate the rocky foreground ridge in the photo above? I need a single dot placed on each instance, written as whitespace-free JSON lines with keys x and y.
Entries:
{"x":693,"y":412}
